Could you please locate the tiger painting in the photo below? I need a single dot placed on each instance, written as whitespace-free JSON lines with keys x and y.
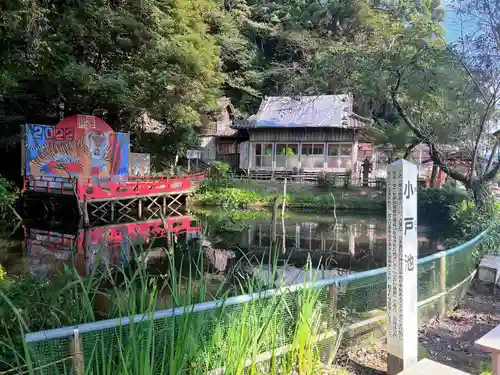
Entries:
{"x":79,"y":157}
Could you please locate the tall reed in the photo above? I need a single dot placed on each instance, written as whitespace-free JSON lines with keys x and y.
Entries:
{"x":276,"y":335}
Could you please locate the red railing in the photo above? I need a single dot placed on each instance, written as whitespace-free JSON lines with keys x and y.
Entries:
{"x":113,"y":187}
{"x":151,"y":229}
{"x":150,"y":185}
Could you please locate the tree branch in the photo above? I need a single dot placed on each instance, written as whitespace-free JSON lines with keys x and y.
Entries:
{"x":490,"y":160}
{"x":410,"y":148}
{"x":466,"y":68}
{"x":414,"y":128}
{"x":438,"y":160}
{"x":436,"y":156}
{"x":484,"y":119}
{"x":491,"y":174}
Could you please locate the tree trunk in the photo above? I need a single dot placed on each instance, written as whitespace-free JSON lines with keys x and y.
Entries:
{"x":482,"y":194}
{"x":490,"y":160}
{"x":432,"y":181}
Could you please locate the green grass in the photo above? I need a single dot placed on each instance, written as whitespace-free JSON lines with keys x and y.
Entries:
{"x":233,"y":197}
{"x":435,"y":205}
{"x":485,"y":367}
{"x":233,"y":338}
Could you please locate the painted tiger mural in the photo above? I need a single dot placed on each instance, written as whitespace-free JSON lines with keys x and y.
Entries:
{"x":87,"y":156}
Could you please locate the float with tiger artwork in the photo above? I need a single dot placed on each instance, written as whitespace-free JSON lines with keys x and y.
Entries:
{"x":82,"y":157}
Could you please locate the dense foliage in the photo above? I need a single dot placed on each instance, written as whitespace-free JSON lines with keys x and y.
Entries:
{"x":115,"y":59}
{"x":118,"y":59}
{"x":172,"y":59}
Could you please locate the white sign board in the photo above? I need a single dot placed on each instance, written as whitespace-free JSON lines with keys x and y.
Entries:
{"x":194,"y":154}
{"x":402,"y":255}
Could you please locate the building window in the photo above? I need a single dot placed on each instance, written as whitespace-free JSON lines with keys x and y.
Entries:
{"x":313,"y":155}
{"x":263,"y":155}
{"x":211,"y":128}
{"x":225,"y":148}
{"x":287,"y":155}
{"x":339,"y":155}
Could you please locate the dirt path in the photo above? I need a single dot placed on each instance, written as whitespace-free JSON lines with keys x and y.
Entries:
{"x":448,"y":340}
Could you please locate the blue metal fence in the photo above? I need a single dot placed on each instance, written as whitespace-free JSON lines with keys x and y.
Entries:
{"x":443,"y":279}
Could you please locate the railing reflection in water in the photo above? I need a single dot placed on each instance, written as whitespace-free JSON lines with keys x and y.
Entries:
{"x":48,"y":250}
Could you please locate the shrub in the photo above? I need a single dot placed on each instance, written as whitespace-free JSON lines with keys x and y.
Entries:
{"x":438,"y":204}
{"x":469,"y":221}
{"x":220,"y":168}
{"x":231,"y":197}
{"x":3,"y":274}
{"x":9,"y":193}
{"x":347,"y":178}
{"x":325,"y":201}
{"x":327,"y":181}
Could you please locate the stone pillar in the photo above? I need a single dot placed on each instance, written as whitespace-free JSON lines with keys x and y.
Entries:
{"x":402,"y":313}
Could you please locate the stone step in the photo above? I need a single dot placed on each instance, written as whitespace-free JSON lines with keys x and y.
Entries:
{"x":427,"y":367}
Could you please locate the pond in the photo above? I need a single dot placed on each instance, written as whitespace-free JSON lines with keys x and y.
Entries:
{"x":247,"y":240}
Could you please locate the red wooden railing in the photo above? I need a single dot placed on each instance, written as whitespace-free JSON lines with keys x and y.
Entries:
{"x":113,"y":187}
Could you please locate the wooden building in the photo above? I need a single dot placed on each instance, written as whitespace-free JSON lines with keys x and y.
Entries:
{"x":219,"y":141}
{"x":430,"y":175}
{"x":308,"y":134}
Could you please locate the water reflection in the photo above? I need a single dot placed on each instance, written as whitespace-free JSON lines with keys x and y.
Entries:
{"x":50,"y":249}
{"x":217,"y":247}
{"x":349,"y":242}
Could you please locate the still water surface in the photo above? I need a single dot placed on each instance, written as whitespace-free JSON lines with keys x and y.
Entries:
{"x":334,"y":246}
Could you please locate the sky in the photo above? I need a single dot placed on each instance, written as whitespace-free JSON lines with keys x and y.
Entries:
{"x":453,"y":24}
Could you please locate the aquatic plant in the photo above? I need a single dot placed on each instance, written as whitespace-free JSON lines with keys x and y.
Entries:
{"x":271,"y":336}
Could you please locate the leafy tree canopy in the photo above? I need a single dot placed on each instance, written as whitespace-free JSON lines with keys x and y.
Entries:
{"x":173,"y":58}
{"x":115,"y":59}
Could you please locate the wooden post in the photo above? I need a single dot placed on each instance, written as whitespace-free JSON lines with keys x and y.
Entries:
{"x":164,"y":209}
{"x":139,"y":208}
{"x":283,"y":207}
{"x":496,"y":363}
{"x":77,"y":353}
{"x":283,"y":204}
{"x":86,"y":219}
{"x":112,"y":210}
{"x":354,"y":154}
{"x":333,"y":291}
{"x":274,"y":218}
{"x":442,"y":283}
{"x":83,"y":255}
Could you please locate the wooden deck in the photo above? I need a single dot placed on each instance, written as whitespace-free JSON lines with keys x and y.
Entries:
{"x":491,"y":343}
{"x":110,"y":200}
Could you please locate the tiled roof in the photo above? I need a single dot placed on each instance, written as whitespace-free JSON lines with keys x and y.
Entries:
{"x":305,"y":111}
{"x":228,"y":132}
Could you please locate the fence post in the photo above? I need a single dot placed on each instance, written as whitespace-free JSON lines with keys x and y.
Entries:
{"x":86,"y":219}
{"x":76,"y":352}
{"x":333,"y":292}
{"x":442,"y":283}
